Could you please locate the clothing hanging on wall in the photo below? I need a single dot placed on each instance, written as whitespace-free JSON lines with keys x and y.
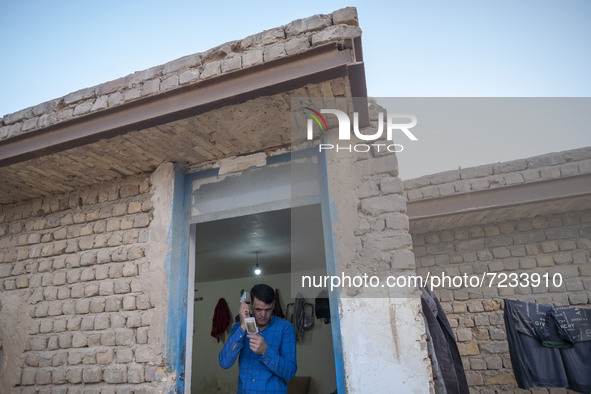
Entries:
{"x":438,"y":383}
{"x":298,"y":316}
{"x":550,"y":346}
{"x":221,"y":319}
{"x":322,"y":306}
{"x":448,"y":361}
{"x":277,"y":310}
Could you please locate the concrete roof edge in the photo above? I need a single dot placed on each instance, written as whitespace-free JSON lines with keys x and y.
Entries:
{"x":542,"y":168}
{"x":294,"y":38}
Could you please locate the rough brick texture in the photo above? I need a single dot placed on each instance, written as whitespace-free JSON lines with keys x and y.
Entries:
{"x":293,"y":38}
{"x":77,"y":266}
{"x":383,"y":243}
{"x":559,"y":245}
{"x":533,"y":169}
{"x":371,"y":239}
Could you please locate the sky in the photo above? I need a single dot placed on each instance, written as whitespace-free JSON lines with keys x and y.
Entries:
{"x":501,"y":48}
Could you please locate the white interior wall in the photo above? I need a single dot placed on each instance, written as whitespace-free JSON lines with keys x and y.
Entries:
{"x":314,"y":354}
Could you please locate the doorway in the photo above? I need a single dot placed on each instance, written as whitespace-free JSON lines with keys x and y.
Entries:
{"x":226,"y":253}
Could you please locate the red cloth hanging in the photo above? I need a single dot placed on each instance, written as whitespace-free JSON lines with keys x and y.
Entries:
{"x":221,"y":319}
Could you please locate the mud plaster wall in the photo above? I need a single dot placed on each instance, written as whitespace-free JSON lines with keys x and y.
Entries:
{"x":83,"y":288}
{"x":553,"y":244}
{"x":370,"y":235}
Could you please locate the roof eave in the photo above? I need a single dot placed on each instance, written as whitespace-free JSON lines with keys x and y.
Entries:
{"x":317,"y":64}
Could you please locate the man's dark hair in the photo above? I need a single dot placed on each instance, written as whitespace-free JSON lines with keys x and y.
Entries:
{"x":262,"y":292}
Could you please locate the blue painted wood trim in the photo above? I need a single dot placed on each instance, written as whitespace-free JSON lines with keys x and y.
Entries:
{"x":329,"y":213}
{"x":176,"y":266}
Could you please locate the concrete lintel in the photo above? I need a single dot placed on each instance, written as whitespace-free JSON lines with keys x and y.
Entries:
{"x":535,"y":192}
{"x":317,"y":64}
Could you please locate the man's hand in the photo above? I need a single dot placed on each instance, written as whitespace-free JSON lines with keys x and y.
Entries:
{"x":244,"y":313}
{"x":257,"y":343}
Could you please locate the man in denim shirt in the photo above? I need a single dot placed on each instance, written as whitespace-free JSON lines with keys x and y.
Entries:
{"x":267,"y":359}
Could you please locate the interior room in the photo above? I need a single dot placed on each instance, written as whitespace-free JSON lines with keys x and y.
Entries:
{"x":227,"y":253}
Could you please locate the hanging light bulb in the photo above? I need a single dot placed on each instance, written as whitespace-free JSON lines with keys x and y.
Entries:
{"x":257,"y":270}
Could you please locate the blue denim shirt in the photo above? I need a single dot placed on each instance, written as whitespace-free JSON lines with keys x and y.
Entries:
{"x":270,"y":372}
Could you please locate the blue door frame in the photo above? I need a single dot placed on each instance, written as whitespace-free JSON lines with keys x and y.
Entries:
{"x":177,"y":267}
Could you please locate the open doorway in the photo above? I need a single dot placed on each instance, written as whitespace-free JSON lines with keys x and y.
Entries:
{"x":226,"y":254}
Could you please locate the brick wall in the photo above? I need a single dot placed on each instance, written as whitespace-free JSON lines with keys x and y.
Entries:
{"x":534,"y":169}
{"x":553,"y":244}
{"x":293,"y":38}
{"x":76,"y":307}
{"x":371,"y":238}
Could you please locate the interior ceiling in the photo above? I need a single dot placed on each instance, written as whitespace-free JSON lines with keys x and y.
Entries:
{"x":227,"y":248}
